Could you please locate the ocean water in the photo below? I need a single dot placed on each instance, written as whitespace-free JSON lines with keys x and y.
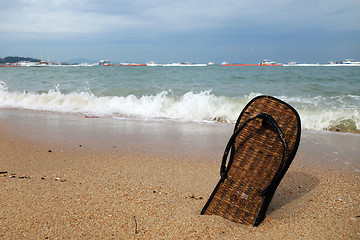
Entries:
{"x":327,"y":98}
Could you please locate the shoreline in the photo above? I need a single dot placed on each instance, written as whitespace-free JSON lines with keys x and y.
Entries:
{"x":69,"y":177}
{"x":323,"y":150}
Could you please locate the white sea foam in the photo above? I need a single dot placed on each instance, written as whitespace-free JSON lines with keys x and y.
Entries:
{"x":203,"y":106}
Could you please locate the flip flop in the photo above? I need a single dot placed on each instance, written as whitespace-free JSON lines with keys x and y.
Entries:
{"x":262,"y":147}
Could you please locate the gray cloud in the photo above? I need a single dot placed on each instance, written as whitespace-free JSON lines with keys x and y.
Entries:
{"x":84,"y":17}
{"x":240,"y":24}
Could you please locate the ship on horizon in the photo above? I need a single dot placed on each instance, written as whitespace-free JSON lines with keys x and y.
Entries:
{"x":263,"y":63}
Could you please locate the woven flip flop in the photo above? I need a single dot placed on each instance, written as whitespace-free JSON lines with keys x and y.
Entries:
{"x":262,"y":147}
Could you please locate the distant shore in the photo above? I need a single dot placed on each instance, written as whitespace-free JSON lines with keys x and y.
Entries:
{"x":65,"y":176}
{"x":15,"y":61}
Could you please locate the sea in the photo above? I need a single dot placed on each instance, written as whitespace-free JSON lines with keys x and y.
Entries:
{"x":327,"y":98}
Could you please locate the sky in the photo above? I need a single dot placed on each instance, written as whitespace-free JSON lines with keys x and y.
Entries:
{"x":235,"y":31}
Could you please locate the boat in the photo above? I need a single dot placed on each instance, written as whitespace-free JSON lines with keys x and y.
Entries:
{"x":10,"y":65}
{"x":186,"y":64}
{"x":107,"y":63}
{"x":347,"y":62}
{"x":295,"y":64}
{"x":269,"y":63}
{"x":131,"y":64}
{"x":42,"y":62}
{"x":238,"y":64}
{"x":27,"y":63}
{"x":263,"y":63}
{"x":153,"y":64}
{"x":82,"y":65}
{"x":104,"y":63}
{"x":351,"y":62}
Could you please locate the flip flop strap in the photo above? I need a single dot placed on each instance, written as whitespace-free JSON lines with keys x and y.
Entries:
{"x":274,"y":125}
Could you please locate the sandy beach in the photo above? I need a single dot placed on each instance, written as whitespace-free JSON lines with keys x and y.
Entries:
{"x":66,"y":176}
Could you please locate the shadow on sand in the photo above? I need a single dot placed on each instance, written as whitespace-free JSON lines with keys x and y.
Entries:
{"x":293,"y":186}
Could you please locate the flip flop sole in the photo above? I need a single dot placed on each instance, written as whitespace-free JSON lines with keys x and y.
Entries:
{"x":260,"y":156}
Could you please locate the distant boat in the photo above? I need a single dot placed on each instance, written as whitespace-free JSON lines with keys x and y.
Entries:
{"x":10,"y":65}
{"x":269,"y":63}
{"x":42,"y":63}
{"x":27,"y":63}
{"x":39,"y":64}
{"x":263,"y":63}
{"x":351,"y":62}
{"x":238,"y":64}
{"x":132,"y":64}
{"x":153,"y":64}
{"x":104,"y":63}
{"x":347,"y":62}
{"x":186,"y":64}
{"x":295,"y":64}
{"x":107,"y":63}
{"x":83,"y":65}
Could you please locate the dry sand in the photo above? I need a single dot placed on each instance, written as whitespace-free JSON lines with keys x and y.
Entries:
{"x":71,"y":187}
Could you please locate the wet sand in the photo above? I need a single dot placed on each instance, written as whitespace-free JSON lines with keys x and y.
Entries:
{"x":71,"y":177}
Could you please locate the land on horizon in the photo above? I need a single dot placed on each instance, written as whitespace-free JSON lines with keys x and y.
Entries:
{"x":16,"y":59}
{"x":80,"y":60}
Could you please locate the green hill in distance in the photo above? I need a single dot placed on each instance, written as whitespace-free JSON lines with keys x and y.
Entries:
{"x":11,"y":59}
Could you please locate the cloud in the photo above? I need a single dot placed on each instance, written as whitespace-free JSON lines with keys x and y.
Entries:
{"x":66,"y":17}
{"x":84,"y":17}
{"x":217,"y":27}
{"x":60,"y":17}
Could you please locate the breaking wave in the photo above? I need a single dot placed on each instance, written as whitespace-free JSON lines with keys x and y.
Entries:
{"x":317,"y":113}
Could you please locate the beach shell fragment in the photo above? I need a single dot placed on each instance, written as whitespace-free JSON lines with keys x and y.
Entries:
{"x":59,"y":179}
{"x":24,"y":177}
